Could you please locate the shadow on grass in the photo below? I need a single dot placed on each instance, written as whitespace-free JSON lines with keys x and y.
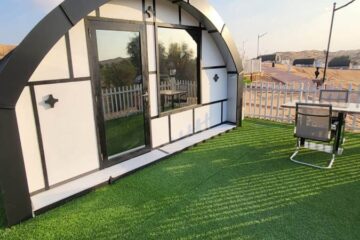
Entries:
{"x":240,"y":185}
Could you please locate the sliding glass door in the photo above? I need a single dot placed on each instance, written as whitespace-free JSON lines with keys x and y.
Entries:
{"x":121,"y":89}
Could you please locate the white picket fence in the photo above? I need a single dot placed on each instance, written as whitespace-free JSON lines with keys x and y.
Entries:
{"x":122,"y":101}
{"x":127,"y":100}
{"x":252,"y":66}
{"x":264,"y":99}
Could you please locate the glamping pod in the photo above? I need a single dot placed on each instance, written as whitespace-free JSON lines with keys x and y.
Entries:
{"x":101,"y":88}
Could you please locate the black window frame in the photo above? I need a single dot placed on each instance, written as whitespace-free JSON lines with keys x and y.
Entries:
{"x":198,"y":63}
{"x":91,"y":25}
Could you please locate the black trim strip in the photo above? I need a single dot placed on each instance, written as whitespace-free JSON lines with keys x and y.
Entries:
{"x":97,"y":12}
{"x":37,"y":192}
{"x":45,"y":82}
{"x":185,"y":109}
{"x":169,"y":119}
{"x":115,"y":20}
{"x":13,"y":180}
{"x":152,"y":72}
{"x":154,"y":7}
{"x":222,"y":112}
{"x":215,"y":102}
{"x":69,"y":56}
{"x":66,"y":15}
{"x":193,"y":120}
{"x":73,"y":178}
{"x":180,"y":20}
{"x":195,"y":133}
{"x":162,"y":151}
{"x":39,"y":136}
{"x":213,"y":67}
{"x":212,"y":31}
{"x":232,"y":72}
{"x":7,"y":107}
{"x":222,"y":29}
{"x":143,"y":10}
{"x":178,"y":26}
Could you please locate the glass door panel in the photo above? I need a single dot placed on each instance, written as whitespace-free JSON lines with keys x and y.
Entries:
{"x":121,"y":83}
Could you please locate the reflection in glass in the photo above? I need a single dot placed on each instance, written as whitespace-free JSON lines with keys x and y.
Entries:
{"x":178,"y":60}
{"x":121,"y":84}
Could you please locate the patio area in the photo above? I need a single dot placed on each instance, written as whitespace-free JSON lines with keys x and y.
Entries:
{"x":240,"y":185}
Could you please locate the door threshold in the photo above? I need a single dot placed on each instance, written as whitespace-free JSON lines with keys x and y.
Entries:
{"x":113,"y":157}
{"x":61,"y":194}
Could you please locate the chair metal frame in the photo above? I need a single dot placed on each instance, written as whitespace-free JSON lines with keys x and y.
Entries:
{"x":301,"y":140}
{"x":335,"y":116}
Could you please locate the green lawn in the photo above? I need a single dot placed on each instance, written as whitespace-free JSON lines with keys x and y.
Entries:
{"x":240,"y":185}
{"x":125,"y":134}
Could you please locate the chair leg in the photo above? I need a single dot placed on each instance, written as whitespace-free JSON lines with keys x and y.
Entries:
{"x":292,"y":158}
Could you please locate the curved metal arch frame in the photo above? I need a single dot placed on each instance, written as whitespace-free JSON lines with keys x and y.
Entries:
{"x":28,"y":56}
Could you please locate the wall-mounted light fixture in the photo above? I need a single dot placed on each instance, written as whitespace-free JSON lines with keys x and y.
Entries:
{"x":51,"y":101}
{"x":150,"y":11}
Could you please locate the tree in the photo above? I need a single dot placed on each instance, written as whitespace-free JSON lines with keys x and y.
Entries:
{"x":181,"y":58}
{"x":134,"y":50}
{"x":115,"y":74}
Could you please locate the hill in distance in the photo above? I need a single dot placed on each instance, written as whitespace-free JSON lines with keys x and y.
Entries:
{"x":320,"y":55}
{"x":5,"y":49}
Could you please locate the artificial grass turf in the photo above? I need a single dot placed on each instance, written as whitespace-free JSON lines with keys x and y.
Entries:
{"x":125,"y":133}
{"x":240,"y":185}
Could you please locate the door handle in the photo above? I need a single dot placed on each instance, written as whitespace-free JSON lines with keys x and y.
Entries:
{"x":145,"y":95}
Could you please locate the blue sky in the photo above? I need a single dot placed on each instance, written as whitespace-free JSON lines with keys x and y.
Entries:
{"x":291,"y":24}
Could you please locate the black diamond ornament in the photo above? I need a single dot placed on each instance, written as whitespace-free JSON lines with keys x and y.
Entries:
{"x":216,"y":78}
{"x":51,"y":101}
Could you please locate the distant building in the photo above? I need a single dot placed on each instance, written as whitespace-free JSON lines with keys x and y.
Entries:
{"x":305,"y":62}
{"x":270,"y":58}
{"x":355,"y":66}
{"x":340,"y":62}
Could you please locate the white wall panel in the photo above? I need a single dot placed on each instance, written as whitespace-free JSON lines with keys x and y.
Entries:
{"x":211,"y":55}
{"x":160,"y":131}
{"x":29,"y":142}
{"x":79,"y":51}
{"x":153,"y":95}
{"x":167,"y":12}
{"x":232,"y":97}
{"x":211,"y":13}
{"x":181,"y":125}
{"x":207,"y":116}
{"x":151,"y":47}
{"x":187,"y":19}
{"x":54,"y":65}
{"x":68,"y":130}
{"x":92,"y":14}
{"x":212,"y":91}
{"x":122,"y":9}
